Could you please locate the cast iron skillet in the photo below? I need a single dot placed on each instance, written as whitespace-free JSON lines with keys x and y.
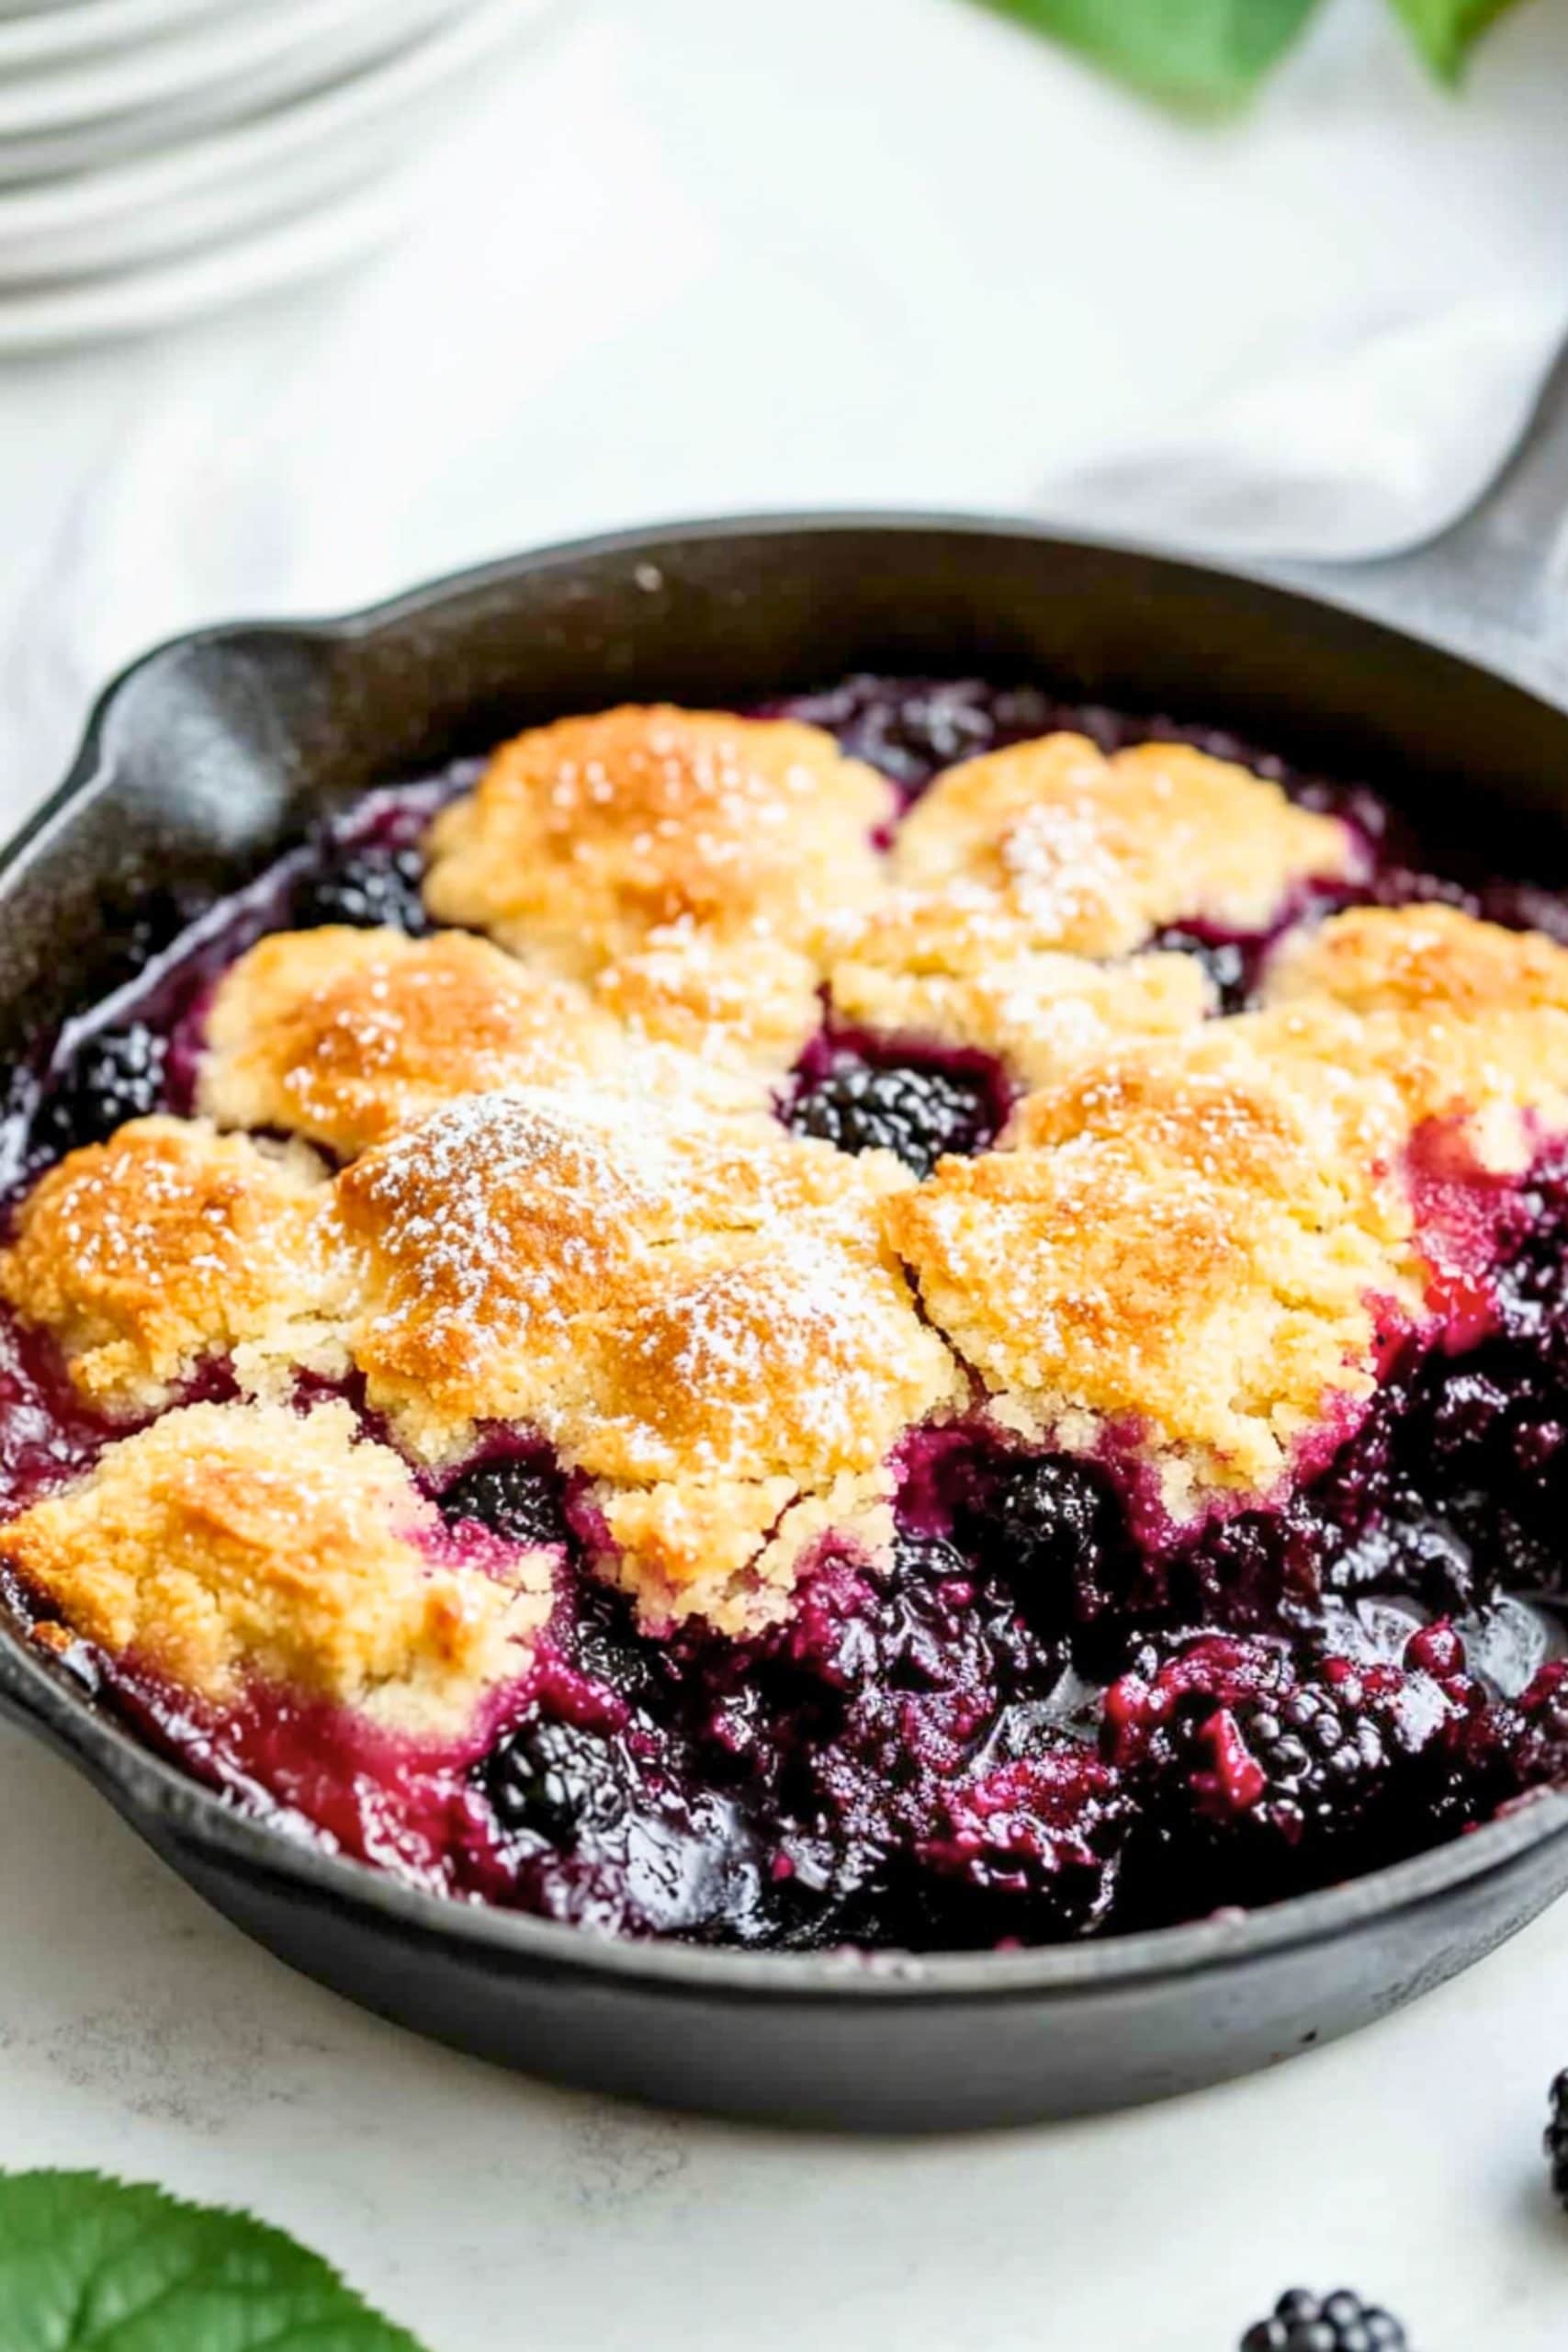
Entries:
{"x":216,"y":751}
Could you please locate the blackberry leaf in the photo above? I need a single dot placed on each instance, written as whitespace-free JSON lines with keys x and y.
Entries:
{"x":87,"y":2262}
{"x":1203,"y":54}
{"x":1444,"y":30}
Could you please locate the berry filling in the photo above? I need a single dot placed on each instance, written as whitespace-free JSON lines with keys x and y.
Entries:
{"x":1041,"y":1711}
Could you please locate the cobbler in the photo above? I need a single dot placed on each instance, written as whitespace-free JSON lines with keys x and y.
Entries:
{"x":912,"y":1319}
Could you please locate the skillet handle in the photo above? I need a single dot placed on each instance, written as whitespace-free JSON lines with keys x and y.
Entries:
{"x":1494,"y":586}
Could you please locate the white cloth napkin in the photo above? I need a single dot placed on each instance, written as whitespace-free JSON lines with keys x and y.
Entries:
{"x":699,"y":258}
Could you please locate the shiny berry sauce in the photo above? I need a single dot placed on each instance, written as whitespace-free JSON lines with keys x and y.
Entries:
{"x":1044,"y":1717}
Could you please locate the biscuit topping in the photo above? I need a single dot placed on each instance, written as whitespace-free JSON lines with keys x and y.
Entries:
{"x":675,"y":843}
{"x":343,"y":1036}
{"x":1052,"y":845}
{"x":565,"y":1205}
{"x":170,"y":1243}
{"x":681,"y":1308}
{"x":1188,"y":1252}
{"x":231,"y":1543}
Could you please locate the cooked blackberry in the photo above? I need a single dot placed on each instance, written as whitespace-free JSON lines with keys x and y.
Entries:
{"x":366,"y":889}
{"x":1260,"y":1567}
{"x":1338,"y":2322}
{"x":1173,"y":1686}
{"x":553,"y":1778}
{"x":608,"y":1648}
{"x":933,"y":1790}
{"x":1315,"y":1748}
{"x":1049,"y":1526}
{"x":1541,"y":1728}
{"x":608,"y":1826}
{"x":918,"y":1113}
{"x":1413,"y":1553}
{"x":519,"y":1499}
{"x":113,"y":1076}
{"x":1557,"y":2139}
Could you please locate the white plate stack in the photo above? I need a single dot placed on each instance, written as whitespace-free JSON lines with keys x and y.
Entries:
{"x":160,"y":158}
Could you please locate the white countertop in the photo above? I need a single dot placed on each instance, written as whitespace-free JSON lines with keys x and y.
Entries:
{"x":140,"y":2034}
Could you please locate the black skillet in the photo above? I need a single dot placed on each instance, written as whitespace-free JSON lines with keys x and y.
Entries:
{"x":215,"y":751}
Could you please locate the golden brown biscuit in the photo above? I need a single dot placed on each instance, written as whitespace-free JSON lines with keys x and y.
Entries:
{"x":751,"y":1005}
{"x":681,"y":1309}
{"x":694,"y":839}
{"x":1040,"y":1017}
{"x":1051,"y":845}
{"x":343,"y":1036}
{"x":1192,"y":1249}
{"x":232,"y":1542}
{"x":1467,"y":1020}
{"x":170,"y":1243}
{"x":747,"y":1376}
{"x":1427,"y":959}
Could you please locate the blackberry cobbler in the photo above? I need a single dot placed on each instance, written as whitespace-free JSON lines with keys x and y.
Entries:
{"x":910,"y":1320}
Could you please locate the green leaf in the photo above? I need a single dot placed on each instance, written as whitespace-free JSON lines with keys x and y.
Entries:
{"x":1205,"y":53}
{"x":1444,"y":30}
{"x":87,"y":2262}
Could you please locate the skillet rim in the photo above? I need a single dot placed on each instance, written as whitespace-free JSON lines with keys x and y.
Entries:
{"x":171,"y":1806}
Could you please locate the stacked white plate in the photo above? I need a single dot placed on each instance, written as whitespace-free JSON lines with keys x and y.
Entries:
{"x":159,"y":158}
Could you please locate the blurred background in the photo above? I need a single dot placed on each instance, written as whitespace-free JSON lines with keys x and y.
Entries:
{"x":303,"y":299}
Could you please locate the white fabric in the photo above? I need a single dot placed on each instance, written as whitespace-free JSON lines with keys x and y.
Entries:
{"x":700,"y":256}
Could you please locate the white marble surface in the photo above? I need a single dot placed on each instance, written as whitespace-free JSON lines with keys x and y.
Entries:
{"x":738,"y":320}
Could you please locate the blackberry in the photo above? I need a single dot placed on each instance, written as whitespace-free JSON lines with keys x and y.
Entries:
{"x":918,"y":1113}
{"x":368,"y":888}
{"x":551,"y":1778}
{"x":1258,"y":1568}
{"x":1557,"y":2139}
{"x":1313,"y":1748}
{"x":1540,"y":1728}
{"x":519,"y":1500}
{"x":1410,"y":1552}
{"x":924,"y":1771}
{"x":1314,"y":1763}
{"x":1047,"y":1526}
{"x":115,"y":1076}
{"x":1336,"y":2322}
{"x":608,"y":1648}
{"x":923,"y":1657}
